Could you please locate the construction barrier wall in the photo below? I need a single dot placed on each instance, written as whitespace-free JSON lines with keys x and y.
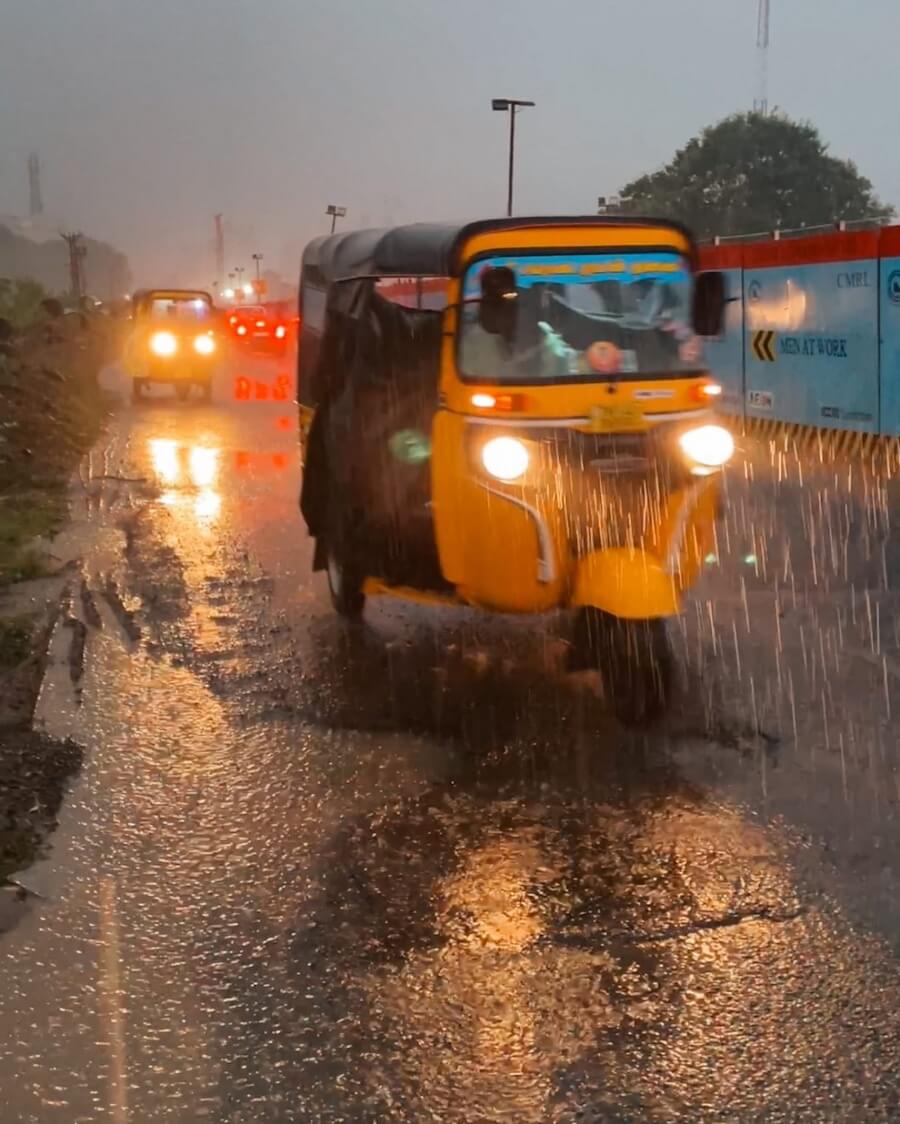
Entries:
{"x":812,"y":330}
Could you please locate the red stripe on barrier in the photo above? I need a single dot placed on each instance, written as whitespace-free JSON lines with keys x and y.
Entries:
{"x":722,"y":257}
{"x":814,"y":249}
{"x":817,"y":248}
{"x":890,"y":242}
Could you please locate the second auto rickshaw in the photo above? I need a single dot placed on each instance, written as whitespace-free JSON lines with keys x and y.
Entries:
{"x":515,"y":414}
{"x":173,"y":340}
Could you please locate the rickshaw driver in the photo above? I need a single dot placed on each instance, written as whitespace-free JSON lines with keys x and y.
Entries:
{"x":495,"y":343}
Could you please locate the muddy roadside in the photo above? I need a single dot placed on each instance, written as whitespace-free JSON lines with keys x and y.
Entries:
{"x":52,"y":410}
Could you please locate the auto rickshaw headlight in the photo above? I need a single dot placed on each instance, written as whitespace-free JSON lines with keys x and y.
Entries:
{"x":708,"y":446}
{"x":204,"y":345}
{"x":163,"y":344}
{"x":506,"y":458}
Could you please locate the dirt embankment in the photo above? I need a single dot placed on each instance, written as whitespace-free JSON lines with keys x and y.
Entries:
{"x":51,"y":411}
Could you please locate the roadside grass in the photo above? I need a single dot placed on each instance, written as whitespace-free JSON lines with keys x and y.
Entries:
{"x":15,"y":640}
{"x":51,"y":411}
{"x":26,"y":516}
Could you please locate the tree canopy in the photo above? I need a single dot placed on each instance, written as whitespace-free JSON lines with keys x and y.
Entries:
{"x":754,"y":172}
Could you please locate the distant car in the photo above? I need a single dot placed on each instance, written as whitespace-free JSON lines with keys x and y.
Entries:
{"x":255,"y":327}
{"x":173,"y":341}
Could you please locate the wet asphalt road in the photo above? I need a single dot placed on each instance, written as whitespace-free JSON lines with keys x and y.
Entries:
{"x":415,"y":871}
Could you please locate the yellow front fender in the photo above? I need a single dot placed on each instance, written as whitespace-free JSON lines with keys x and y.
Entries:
{"x":626,"y":582}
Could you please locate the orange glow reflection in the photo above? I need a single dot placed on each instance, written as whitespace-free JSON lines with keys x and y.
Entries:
{"x":204,"y":466}
{"x":787,"y":313}
{"x":196,"y":466}
{"x":207,"y":505}
{"x":164,"y":455}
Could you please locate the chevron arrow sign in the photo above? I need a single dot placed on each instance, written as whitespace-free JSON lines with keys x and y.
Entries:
{"x":764,"y":346}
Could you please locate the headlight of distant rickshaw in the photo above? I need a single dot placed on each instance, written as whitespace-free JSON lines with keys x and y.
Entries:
{"x":204,"y":345}
{"x":506,"y":458}
{"x":163,"y":344}
{"x":708,"y":446}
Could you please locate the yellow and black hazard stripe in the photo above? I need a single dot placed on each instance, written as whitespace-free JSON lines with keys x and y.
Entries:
{"x":825,"y":444}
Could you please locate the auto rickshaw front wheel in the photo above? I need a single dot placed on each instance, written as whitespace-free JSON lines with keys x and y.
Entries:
{"x":182,"y":390}
{"x":635,"y":660}
{"x":137,"y":389}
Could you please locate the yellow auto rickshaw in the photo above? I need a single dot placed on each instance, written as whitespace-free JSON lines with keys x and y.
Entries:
{"x":174,"y":340}
{"x":515,"y":414}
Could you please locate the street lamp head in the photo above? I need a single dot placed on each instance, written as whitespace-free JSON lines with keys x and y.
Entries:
{"x":501,"y":105}
{"x":338,"y":212}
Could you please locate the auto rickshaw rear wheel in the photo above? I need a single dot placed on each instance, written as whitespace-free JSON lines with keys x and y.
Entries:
{"x":345,"y":586}
{"x":634,"y":659}
{"x":182,"y":390}
{"x":206,"y":390}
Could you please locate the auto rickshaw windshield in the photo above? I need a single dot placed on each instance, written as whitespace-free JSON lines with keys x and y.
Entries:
{"x":186,"y":309}
{"x":578,"y":317}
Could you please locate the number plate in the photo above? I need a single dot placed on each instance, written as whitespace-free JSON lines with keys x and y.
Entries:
{"x":615,"y":419}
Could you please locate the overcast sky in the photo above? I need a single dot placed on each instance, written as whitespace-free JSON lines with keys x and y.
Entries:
{"x":150,"y":116}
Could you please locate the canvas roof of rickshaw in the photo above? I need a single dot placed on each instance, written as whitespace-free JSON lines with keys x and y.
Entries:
{"x":431,"y":249}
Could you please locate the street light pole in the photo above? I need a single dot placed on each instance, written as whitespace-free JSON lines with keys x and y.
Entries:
{"x":512,"y":158}
{"x":336,"y":213}
{"x":257,"y":258}
{"x":510,"y":106}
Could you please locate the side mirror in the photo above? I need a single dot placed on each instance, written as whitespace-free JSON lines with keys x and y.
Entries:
{"x":709,"y":303}
{"x":498,"y":309}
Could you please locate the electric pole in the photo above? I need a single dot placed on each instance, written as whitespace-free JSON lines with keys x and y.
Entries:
{"x":35,"y":202}
{"x":761,"y":102}
{"x":77,"y":254}
{"x":220,"y":246}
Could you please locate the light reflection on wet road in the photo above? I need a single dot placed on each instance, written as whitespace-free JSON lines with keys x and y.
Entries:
{"x":415,"y":872}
